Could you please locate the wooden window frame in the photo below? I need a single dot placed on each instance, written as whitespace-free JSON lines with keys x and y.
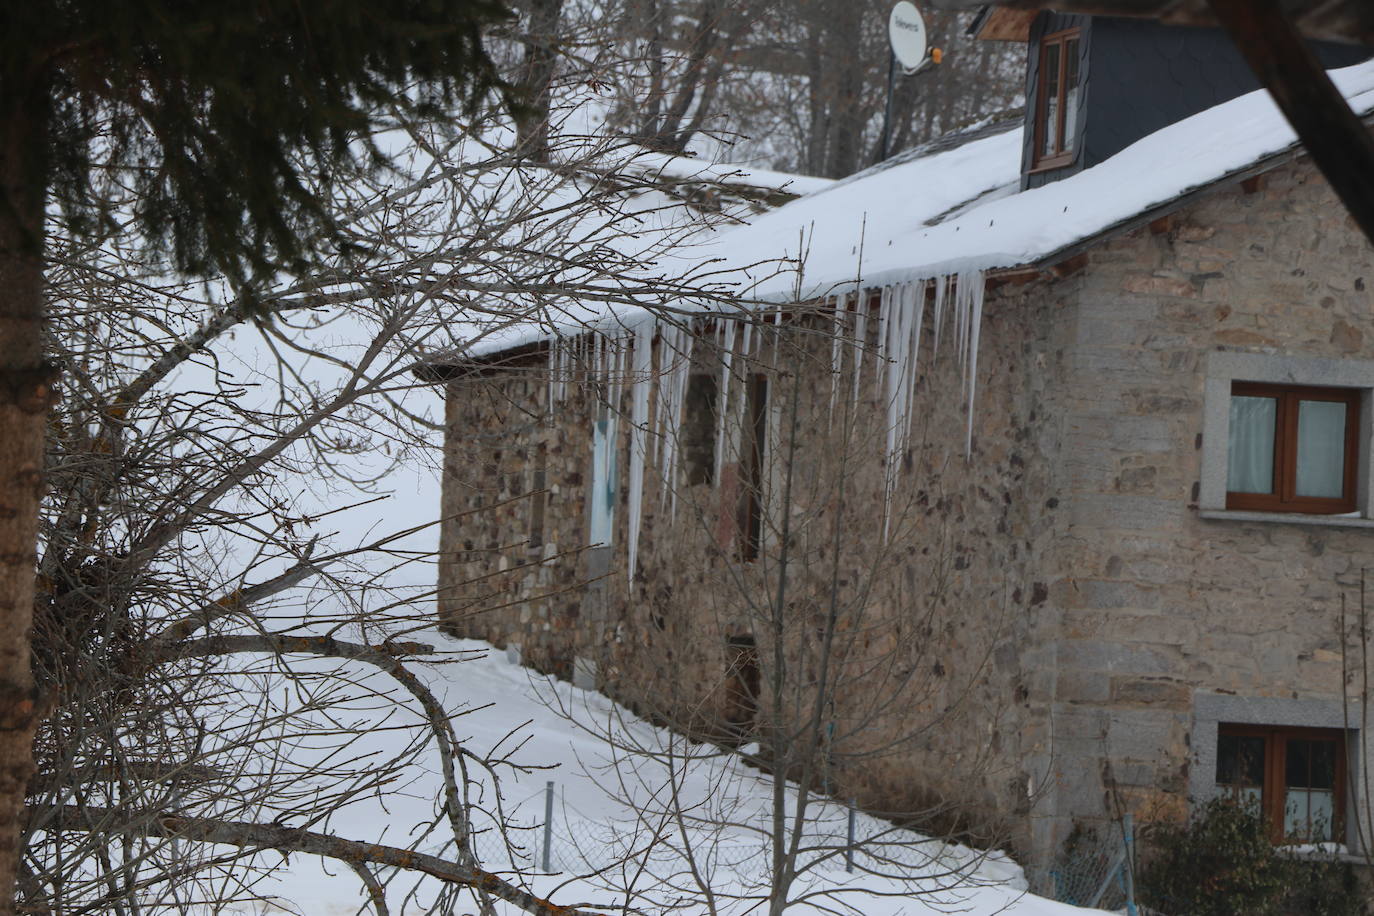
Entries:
{"x":1274,"y":791}
{"x":1283,"y":497}
{"x":1063,"y":155}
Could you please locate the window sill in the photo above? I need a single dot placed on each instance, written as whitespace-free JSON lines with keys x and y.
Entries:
{"x":1322,"y":852}
{"x":1285,"y":518}
{"x":1050,"y":165}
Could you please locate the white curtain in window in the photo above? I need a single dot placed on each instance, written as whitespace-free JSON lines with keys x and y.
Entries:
{"x":1250,"y":452}
{"x":1321,"y":449}
{"x":1070,"y":93}
{"x":1309,"y":814}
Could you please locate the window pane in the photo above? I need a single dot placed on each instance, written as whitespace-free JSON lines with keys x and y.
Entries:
{"x":1070,"y":92}
{"x":1310,"y":784}
{"x":1323,"y":775}
{"x":1240,"y":761}
{"x":1321,"y":449}
{"x":1250,"y":454}
{"x":1050,"y":65}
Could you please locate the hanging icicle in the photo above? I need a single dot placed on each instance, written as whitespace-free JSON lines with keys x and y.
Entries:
{"x":860,"y":338}
{"x":641,"y":370}
{"x":777,"y":333}
{"x":836,"y":348}
{"x":938,"y":313}
{"x":918,"y":310}
{"x":553,"y":370}
{"x":726,"y":344}
{"x":973,"y":279}
{"x":681,"y":376}
{"x":884,"y":310}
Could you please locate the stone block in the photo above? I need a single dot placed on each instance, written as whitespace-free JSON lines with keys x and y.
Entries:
{"x":1113,"y":657}
{"x":1092,"y":687}
{"x":1159,"y":693}
{"x":1159,"y":286}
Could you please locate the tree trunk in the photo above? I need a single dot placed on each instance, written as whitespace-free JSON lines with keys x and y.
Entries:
{"x":541,"y":60}
{"x":26,"y":393}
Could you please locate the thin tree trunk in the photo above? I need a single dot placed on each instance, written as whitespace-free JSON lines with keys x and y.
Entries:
{"x":541,"y":61}
{"x":26,"y":392}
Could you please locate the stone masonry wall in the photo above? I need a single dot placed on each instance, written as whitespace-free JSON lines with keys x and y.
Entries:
{"x":1158,"y":605}
{"x":935,"y":671}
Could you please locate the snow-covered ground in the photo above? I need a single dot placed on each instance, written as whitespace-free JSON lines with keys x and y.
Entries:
{"x":510,"y":707}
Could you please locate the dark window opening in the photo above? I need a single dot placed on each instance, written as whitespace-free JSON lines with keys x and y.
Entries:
{"x":742,"y":680}
{"x":538,"y":496}
{"x":752,"y":444}
{"x":1294,"y":777}
{"x":1056,"y":107}
{"x":701,"y":417}
{"x":1292,"y":449}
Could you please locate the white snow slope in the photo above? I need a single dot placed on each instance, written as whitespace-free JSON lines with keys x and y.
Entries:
{"x":594,"y":822}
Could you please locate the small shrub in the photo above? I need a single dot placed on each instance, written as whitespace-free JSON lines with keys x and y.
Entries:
{"x":1221,"y":863}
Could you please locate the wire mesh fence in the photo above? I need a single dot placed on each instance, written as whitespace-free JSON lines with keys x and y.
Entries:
{"x":1096,"y":870}
{"x":836,"y":839}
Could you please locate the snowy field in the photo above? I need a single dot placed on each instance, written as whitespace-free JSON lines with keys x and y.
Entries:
{"x":509,"y":709}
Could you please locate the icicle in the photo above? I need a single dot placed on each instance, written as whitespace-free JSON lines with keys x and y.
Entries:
{"x":641,"y":369}
{"x":727,"y":352}
{"x":960,"y":323}
{"x":617,"y":376}
{"x":836,"y":349}
{"x":560,"y":373}
{"x":665,"y":365}
{"x":899,"y":337}
{"x":860,"y":339}
{"x":884,"y":308}
{"x":599,"y":356}
{"x":553,"y":370}
{"x":974,"y":280}
{"x":777,"y":333}
{"x":681,"y":373}
{"x":918,"y":305}
{"x":941,"y":288}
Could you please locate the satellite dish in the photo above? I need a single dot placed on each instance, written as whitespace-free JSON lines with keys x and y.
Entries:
{"x":906,"y":30}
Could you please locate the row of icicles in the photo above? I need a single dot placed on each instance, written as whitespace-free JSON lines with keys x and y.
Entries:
{"x":659,"y":347}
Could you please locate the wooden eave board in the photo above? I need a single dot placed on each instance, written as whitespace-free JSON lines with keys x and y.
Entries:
{"x":1002,"y":24}
{"x":1327,"y":20}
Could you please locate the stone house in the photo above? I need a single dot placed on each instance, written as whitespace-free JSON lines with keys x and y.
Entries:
{"x":1056,"y":505}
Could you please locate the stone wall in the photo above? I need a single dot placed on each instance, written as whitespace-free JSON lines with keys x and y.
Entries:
{"x":932,"y":669}
{"x":1160,"y":602}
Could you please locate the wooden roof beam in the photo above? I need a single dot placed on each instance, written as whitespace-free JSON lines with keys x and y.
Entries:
{"x":1335,"y":138}
{"x":1327,"y":20}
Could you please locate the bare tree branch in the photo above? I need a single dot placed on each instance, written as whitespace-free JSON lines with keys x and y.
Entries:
{"x":286,"y":839}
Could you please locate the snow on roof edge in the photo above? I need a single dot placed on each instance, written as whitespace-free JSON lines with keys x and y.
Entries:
{"x":1254,"y":116}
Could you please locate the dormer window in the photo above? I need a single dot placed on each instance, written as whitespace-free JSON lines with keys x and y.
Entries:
{"x":1056,"y":114}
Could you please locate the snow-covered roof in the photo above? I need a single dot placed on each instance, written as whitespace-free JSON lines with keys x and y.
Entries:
{"x":956,"y":206}
{"x":959,"y":209}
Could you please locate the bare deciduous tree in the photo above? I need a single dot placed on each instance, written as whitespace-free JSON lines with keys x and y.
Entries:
{"x":229,"y":673}
{"x":835,"y":662}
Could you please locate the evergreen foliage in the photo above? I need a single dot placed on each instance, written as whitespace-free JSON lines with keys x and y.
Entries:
{"x":223,"y":121}
{"x":1222,"y":863}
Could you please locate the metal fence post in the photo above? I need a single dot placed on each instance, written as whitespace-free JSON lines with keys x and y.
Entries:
{"x":1128,"y":827}
{"x":849,"y":846}
{"x":548,"y":823}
